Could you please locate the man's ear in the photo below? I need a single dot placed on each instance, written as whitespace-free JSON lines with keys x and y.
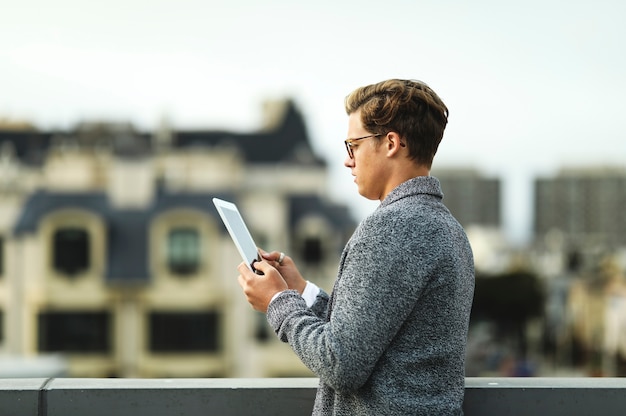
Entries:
{"x":394,"y":143}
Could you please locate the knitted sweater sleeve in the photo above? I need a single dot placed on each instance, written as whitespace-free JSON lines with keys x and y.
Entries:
{"x":380,"y":280}
{"x":320,"y":306}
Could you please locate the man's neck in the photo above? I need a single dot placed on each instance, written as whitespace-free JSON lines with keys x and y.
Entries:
{"x":403,"y":173}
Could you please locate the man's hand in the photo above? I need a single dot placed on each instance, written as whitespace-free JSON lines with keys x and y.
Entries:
{"x":259,"y":289}
{"x":287,"y":269}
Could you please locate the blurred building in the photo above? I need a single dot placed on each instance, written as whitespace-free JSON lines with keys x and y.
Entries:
{"x":580,"y":229}
{"x":112,"y":253}
{"x":475,"y":201}
{"x":596,"y":330}
{"x":582,"y":209}
{"x":473,"y":198}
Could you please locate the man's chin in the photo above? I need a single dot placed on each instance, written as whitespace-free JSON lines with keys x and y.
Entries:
{"x":365,"y":195}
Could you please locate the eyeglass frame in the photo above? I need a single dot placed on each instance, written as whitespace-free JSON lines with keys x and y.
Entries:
{"x":348,"y":143}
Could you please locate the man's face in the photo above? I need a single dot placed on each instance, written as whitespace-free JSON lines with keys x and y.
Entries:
{"x":368,"y":164}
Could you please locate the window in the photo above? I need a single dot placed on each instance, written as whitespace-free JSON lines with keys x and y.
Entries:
{"x":76,"y":331}
{"x":183,"y":251}
{"x":70,"y":250}
{"x":172,"y":332}
{"x":312,"y":250}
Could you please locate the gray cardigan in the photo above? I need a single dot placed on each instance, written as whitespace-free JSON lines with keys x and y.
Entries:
{"x":390,"y":340}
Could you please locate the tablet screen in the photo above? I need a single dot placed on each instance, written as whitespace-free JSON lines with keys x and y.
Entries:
{"x":238,"y":231}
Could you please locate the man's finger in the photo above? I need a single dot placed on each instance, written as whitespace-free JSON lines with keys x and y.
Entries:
{"x":262,"y":266}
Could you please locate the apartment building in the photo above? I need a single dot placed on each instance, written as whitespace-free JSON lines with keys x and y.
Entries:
{"x":473,"y":198}
{"x":112,"y":254}
{"x":585,"y":207}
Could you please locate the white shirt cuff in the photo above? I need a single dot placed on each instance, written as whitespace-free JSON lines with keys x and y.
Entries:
{"x":311,"y":290}
{"x":310,"y":293}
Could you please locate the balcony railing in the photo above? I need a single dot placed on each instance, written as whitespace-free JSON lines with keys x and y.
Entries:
{"x":285,"y":396}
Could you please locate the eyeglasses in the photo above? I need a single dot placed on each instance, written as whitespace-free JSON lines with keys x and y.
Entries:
{"x":349,"y":142}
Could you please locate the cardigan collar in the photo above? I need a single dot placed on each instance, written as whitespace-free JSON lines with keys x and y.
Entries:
{"x":419,"y":185}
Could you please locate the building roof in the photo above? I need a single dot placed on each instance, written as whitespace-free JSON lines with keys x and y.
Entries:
{"x":287,"y":141}
{"x":305,"y":205}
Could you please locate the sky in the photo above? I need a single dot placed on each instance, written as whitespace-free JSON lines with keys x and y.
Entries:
{"x":532,"y":86}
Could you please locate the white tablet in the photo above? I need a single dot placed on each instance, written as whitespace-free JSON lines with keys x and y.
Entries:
{"x":238,"y":231}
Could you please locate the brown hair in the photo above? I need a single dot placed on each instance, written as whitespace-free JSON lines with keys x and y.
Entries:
{"x":410,"y":108}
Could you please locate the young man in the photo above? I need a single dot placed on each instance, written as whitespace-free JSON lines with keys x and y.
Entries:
{"x":390,"y":339}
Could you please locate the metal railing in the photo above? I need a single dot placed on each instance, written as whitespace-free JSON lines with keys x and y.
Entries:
{"x":289,"y":396}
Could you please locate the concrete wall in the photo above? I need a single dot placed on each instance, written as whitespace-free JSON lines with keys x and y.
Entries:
{"x":227,"y":397}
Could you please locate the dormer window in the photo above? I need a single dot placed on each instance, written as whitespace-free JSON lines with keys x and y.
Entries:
{"x":183,"y":250}
{"x":70,"y":248}
{"x":312,"y":250}
{"x":313,"y":238}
